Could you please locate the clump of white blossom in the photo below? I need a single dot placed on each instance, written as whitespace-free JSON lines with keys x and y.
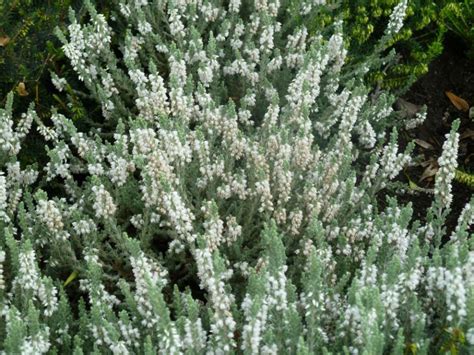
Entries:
{"x":228,"y":198}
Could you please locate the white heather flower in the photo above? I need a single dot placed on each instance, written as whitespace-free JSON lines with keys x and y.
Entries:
{"x":391,"y":162}
{"x":104,"y":205}
{"x":129,"y":333}
{"x":28,"y":276}
{"x":161,"y":48}
{"x":452,"y":285}
{"x":125,"y":10}
{"x":307,"y":5}
{"x":234,"y":5}
{"x":266,"y":38}
{"x":3,"y":198}
{"x":205,"y":74}
{"x":296,"y":218}
{"x":2,"y":260}
{"x":47,"y":294}
{"x":195,"y":335}
{"x":144,"y":140}
{"x":180,"y":217}
{"x":233,"y":230}
{"x":100,"y":36}
{"x":262,"y":188}
{"x":447,"y":166}
{"x":50,"y":214}
{"x":465,"y":220}
{"x":29,"y":279}
{"x":213,"y":226}
{"x":119,"y":169}
{"x":59,"y":83}
{"x":24,"y":125}
{"x":395,"y":23}
{"x":84,"y":226}
{"x":8,"y":138}
{"x":223,"y":324}
{"x":36,"y":344}
{"x":144,"y":28}
{"x":419,"y":118}
{"x":145,"y":269}
{"x":349,"y":116}
{"x":134,"y":45}
{"x":470,"y":336}
{"x":118,"y":348}
{"x":137,"y":221}
{"x":176,"y":26}
{"x":275,"y":299}
{"x":367,"y":135}
{"x":75,"y":49}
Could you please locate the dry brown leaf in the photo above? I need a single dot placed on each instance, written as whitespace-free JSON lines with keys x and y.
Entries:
{"x":468,"y":133}
{"x":21,"y":89}
{"x":458,"y":102}
{"x":425,"y":163}
{"x":424,"y":144}
{"x":4,"y":41}
{"x":430,"y":171}
{"x":407,"y":108}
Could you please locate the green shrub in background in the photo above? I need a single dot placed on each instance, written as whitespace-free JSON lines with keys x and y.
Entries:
{"x":28,"y":46}
{"x":420,"y":41}
{"x":31,"y":54}
{"x":30,"y":51}
{"x":458,"y":17}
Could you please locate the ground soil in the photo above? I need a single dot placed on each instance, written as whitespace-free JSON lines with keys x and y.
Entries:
{"x":454,"y":72}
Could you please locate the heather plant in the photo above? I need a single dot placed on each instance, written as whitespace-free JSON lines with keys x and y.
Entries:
{"x":228,"y":200}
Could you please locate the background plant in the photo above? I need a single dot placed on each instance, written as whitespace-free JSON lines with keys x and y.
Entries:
{"x":418,"y":43}
{"x":30,"y":57}
{"x":28,"y":50}
{"x":458,"y":17}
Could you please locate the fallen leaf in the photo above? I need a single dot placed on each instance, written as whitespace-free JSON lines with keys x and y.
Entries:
{"x":415,"y":187}
{"x":4,"y":41}
{"x":468,"y":133}
{"x":468,"y":158}
{"x":408,"y":109}
{"x":70,"y":278}
{"x":21,"y":89}
{"x":424,"y":144}
{"x":411,"y":183}
{"x":430,"y":161}
{"x":430,"y":171}
{"x":459,"y":103}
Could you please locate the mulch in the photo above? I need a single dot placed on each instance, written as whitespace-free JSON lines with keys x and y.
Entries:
{"x":452,"y":72}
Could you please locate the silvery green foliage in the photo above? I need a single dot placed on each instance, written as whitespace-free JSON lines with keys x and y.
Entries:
{"x":228,"y":203}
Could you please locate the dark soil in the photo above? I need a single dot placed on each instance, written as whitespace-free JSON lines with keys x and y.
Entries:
{"x":452,"y":71}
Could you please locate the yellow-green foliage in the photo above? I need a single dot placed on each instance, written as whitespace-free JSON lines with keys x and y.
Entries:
{"x":458,"y":16}
{"x":465,"y":178}
{"x":420,"y":39}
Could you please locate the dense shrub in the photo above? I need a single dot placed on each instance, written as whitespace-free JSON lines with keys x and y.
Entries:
{"x":227,"y":202}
